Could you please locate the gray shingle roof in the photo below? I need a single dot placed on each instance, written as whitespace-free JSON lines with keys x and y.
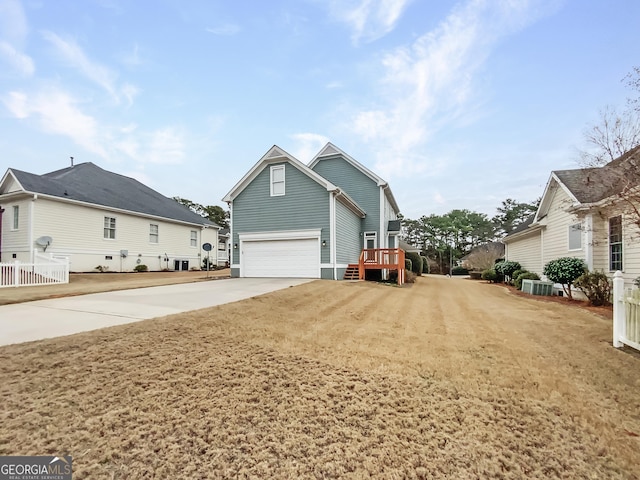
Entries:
{"x":591,"y":185}
{"x":89,"y":183}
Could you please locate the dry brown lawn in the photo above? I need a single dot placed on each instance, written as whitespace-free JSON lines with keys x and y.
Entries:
{"x":445,"y":379}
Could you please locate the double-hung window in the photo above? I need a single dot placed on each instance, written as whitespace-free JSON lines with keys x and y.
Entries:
{"x":109,"y":227}
{"x":277,"y":180}
{"x":615,"y":243}
{"x":16,"y":217}
{"x":153,"y":233}
{"x":194,"y":238}
{"x":575,"y":236}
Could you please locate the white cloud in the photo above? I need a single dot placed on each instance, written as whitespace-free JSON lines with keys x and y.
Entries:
{"x":56,"y":112}
{"x":166,"y":146}
{"x":309,"y":144}
{"x":20,"y":62}
{"x":439,"y":199}
{"x":101,"y":75}
{"x":368,"y":19}
{"x":226,"y":29}
{"x":431,"y":82}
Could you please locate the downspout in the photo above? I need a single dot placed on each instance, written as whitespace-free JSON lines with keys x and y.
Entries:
{"x":31,"y":218}
{"x":332,"y":233}
{"x":1,"y":212}
{"x":588,"y":220}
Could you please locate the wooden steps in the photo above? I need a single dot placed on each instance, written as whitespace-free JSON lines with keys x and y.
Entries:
{"x":352,"y":272}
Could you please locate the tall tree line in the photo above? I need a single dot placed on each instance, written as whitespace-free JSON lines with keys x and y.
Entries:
{"x":447,"y":237}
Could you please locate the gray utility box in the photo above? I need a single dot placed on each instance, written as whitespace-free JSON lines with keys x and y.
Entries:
{"x":537,"y":287}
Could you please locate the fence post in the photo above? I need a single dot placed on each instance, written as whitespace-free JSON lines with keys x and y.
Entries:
{"x":618,"y":308}
{"x":16,"y":273}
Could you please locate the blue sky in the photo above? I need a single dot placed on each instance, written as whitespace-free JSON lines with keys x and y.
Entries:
{"x":458,"y":104}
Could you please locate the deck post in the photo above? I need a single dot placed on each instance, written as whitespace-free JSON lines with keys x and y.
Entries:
{"x":618,"y":309}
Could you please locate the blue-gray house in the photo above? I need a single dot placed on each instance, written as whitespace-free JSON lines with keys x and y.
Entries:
{"x":293,"y":220}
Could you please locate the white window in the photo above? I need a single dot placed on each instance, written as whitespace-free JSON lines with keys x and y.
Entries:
{"x":615,"y":243}
{"x":153,"y":233}
{"x":575,"y":236}
{"x":277,"y":180}
{"x":109,"y":227}
{"x":194,"y":238}
{"x":16,"y":217}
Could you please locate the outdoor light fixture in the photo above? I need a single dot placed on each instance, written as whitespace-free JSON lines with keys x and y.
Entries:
{"x":324,"y":243}
{"x":235,"y":246}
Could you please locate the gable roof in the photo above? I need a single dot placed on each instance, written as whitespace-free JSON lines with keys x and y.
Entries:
{"x":330,"y":150}
{"x":590,"y":185}
{"x":90,"y":184}
{"x":278,"y":155}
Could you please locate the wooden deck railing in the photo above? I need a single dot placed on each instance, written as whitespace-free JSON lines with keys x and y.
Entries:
{"x":380,"y":259}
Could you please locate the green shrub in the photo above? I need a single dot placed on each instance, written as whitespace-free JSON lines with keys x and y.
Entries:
{"x":408,"y":264}
{"x":416,"y":262}
{"x":459,"y":271}
{"x":515,"y":274}
{"x":425,"y":265}
{"x":565,"y":270}
{"x":636,"y":282}
{"x":102,"y":268}
{"x":524,"y":276}
{"x":490,"y":275}
{"x":141,"y":268}
{"x":506,"y":268}
{"x":596,"y":286}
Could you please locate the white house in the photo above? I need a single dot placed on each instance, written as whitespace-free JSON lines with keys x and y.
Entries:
{"x":589,"y":213}
{"x":97,"y":218}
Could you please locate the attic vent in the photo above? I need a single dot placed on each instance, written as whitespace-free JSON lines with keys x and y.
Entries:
{"x":329,"y":150}
{"x":274,"y":153}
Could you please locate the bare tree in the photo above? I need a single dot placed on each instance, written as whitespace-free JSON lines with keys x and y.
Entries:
{"x":483,"y":257}
{"x":615,"y":134}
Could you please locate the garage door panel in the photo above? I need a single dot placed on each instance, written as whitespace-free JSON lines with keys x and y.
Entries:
{"x":281,"y":258}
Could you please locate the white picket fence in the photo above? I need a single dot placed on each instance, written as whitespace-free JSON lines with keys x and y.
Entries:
{"x":626,"y":314}
{"x":46,"y":270}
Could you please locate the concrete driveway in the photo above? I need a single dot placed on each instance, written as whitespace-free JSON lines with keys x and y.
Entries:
{"x":24,"y":322}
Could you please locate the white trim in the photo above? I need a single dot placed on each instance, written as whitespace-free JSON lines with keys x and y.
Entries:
{"x":279,"y":235}
{"x":383,"y":243}
{"x":32,"y":216}
{"x":332,"y":233}
{"x":588,"y":240}
{"x":364,"y":239}
{"x":275,"y":155}
{"x":331,"y":150}
{"x":272,"y":170}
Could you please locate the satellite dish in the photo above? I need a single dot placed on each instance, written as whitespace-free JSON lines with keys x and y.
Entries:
{"x":44,"y":242}
{"x":207,"y":247}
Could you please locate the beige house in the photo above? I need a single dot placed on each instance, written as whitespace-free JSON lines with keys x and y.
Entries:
{"x":97,"y":218}
{"x":589,"y":213}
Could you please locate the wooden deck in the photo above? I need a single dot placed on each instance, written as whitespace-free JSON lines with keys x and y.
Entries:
{"x":391,"y":259}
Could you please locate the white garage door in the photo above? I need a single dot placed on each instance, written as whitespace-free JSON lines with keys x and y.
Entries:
{"x":281,"y":258}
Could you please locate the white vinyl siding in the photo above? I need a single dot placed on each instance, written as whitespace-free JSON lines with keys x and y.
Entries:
{"x":527,"y":251}
{"x":555,"y":233}
{"x":67,"y":224}
{"x":575,"y":236}
{"x":110,"y":228}
{"x":277,"y":180}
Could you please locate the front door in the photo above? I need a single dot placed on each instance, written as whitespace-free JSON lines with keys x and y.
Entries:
{"x":370,"y":245}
